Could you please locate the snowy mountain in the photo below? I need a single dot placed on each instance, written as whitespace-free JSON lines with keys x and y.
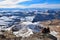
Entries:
{"x":25,"y":22}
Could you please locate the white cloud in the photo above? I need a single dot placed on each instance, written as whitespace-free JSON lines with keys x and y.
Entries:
{"x":13,"y":4}
{"x":32,"y":6}
{"x":45,"y":6}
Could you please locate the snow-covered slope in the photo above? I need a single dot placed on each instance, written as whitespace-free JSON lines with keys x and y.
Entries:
{"x":25,"y":32}
{"x":27,"y":29}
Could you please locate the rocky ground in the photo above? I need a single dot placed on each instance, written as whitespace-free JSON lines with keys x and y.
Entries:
{"x":35,"y":36}
{"x":54,"y":26}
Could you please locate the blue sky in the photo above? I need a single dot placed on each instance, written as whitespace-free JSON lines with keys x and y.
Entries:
{"x":29,"y":3}
{"x":40,"y":2}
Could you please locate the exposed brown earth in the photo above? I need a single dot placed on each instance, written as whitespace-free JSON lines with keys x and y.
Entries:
{"x":35,"y":36}
{"x":54,"y":26}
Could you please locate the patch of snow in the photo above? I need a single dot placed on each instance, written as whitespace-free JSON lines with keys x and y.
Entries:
{"x":53,"y":33}
{"x":57,"y":26}
{"x":8,"y":29}
{"x":29,"y":18}
{"x":22,"y":19}
{"x":25,"y":32}
{"x":27,"y":29}
{"x":4,"y":18}
{"x":28,"y":23}
{"x":13,"y":17}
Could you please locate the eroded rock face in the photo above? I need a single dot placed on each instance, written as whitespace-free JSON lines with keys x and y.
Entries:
{"x":40,"y":36}
{"x":35,"y":36}
{"x":51,"y":22}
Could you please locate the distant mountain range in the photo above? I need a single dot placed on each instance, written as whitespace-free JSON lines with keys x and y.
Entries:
{"x":38,"y":16}
{"x":28,"y":8}
{"x":43,"y":17}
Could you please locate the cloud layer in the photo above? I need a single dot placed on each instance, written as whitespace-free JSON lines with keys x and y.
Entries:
{"x":14,"y":4}
{"x":11,"y":2}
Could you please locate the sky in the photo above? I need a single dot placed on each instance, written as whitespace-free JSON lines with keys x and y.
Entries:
{"x":29,"y":3}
